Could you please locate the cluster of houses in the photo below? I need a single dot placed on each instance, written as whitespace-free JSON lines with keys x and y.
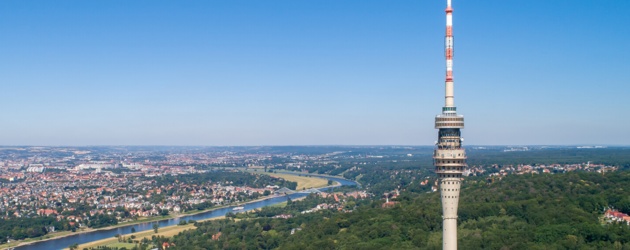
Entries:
{"x":615,"y":216}
{"x":497,"y":170}
{"x":339,"y":201}
{"x":59,"y":194}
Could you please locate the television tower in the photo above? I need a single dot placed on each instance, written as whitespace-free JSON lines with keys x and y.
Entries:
{"x":449,"y":158}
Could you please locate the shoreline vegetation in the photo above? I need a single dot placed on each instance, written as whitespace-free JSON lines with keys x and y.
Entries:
{"x":168,"y":231}
{"x":303,"y":182}
{"x":62,"y":234}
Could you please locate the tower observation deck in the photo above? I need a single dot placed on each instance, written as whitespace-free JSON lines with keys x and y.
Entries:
{"x":449,"y":158}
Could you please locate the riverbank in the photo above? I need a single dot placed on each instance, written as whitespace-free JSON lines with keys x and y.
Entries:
{"x":172,"y":230}
{"x":54,"y":236}
{"x":50,"y":236}
{"x":312,"y":182}
{"x":168,"y":231}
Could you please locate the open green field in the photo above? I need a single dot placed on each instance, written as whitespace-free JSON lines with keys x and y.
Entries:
{"x":113,"y":242}
{"x":303,"y":182}
{"x":122,"y":244}
{"x":169,"y":231}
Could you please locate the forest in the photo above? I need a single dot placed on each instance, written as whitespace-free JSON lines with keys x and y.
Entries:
{"x":234,"y":178}
{"x":617,"y":156}
{"x":30,"y":227}
{"x":562,"y":211}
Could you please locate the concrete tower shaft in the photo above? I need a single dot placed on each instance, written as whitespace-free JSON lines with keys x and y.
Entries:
{"x":449,"y":158}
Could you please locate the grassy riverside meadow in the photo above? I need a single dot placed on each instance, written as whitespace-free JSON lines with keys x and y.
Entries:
{"x":128,"y":223}
{"x":304,"y":182}
{"x":168,"y":231}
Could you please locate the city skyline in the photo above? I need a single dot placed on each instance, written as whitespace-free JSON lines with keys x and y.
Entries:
{"x":310,"y":73}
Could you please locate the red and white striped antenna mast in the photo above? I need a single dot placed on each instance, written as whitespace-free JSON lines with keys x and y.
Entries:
{"x":448,"y":51}
{"x":449,"y":157}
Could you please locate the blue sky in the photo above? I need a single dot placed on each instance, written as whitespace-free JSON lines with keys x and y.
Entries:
{"x":288,"y":72}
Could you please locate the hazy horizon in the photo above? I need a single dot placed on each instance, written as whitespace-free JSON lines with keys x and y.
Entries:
{"x":332,"y":145}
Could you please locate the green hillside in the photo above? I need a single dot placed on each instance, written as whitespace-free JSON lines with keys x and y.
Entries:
{"x":562,"y":211}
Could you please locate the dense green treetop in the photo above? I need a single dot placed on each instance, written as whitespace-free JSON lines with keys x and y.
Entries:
{"x":234,"y":178}
{"x":561,"y":211}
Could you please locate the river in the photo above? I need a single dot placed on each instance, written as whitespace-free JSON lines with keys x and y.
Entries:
{"x":64,"y":242}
